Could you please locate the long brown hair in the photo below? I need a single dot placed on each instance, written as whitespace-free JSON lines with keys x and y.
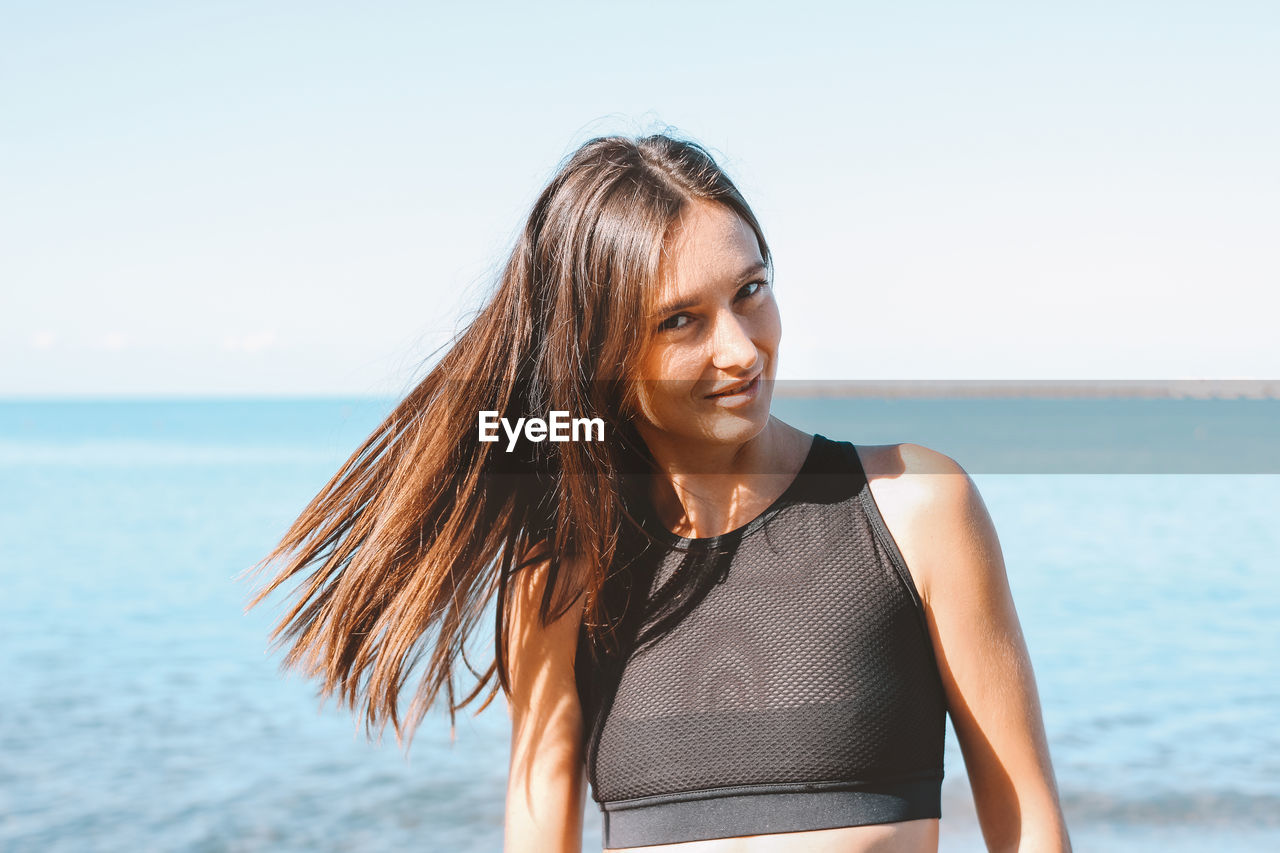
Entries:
{"x":420,"y":527}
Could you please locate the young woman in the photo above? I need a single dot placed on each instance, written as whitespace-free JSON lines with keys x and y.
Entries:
{"x":744,"y":636}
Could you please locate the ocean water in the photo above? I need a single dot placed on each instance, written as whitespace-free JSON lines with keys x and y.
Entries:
{"x":141,"y":711}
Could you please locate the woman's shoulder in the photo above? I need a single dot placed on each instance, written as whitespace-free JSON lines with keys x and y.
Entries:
{"x":922,"y":496}
{"x":907,"y":462}
{"x":541,"y":629}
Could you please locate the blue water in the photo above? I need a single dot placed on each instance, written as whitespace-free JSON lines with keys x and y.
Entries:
{"x":140,"y":710}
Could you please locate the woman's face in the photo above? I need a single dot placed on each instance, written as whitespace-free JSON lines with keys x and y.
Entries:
{"x":706,"y":373}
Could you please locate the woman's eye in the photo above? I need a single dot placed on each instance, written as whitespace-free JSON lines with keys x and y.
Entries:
{"x":679,"y":321}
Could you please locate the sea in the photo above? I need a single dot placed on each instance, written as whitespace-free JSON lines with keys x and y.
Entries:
{"x":143,"y":710}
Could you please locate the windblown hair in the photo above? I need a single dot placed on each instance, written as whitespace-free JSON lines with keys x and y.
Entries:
{"x":424,"y":523}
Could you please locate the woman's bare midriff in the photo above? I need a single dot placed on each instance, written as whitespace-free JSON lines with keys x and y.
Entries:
{"x":911,"y":836}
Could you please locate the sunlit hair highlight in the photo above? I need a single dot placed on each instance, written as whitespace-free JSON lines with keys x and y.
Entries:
{"x":404,"y":548}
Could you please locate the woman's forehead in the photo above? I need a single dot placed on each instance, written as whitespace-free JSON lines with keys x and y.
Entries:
{"x":708,"y":246}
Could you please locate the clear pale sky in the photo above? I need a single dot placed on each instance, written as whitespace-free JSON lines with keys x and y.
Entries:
{"x":306,"y":198}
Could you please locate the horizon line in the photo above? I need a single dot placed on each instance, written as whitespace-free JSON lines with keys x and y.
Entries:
{"x":1264,"y":389}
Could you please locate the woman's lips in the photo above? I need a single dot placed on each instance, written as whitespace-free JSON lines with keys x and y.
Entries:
{"x":740,"y":393}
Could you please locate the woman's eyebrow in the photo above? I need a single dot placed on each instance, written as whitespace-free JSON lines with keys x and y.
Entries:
{"x":673,"y":307}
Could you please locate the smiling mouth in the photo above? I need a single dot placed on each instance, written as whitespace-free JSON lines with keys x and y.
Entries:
{"x":741,"y":387}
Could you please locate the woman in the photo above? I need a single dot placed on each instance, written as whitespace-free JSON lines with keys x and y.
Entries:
{"x":744,"y":636}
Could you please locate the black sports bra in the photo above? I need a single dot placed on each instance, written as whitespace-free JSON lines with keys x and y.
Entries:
{"x":777,"y":678}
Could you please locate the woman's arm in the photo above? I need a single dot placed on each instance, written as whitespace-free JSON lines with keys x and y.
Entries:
{"x":546,"y":785}
{"x":982,"y":656}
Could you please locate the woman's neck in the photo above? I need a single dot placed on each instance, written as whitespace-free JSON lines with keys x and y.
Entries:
{"x":710,"y":489}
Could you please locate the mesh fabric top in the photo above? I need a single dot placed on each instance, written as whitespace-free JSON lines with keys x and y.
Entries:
{"x":788,"y":657}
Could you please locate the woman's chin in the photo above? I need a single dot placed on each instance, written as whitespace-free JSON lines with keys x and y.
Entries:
{"x":736,"y":426}
{"x":712,"y":424}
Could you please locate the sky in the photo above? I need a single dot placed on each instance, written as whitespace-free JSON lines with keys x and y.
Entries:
{"x":293,"y":199}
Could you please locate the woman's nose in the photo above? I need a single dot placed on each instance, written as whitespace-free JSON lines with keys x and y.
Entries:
{"x":731,"y":345}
